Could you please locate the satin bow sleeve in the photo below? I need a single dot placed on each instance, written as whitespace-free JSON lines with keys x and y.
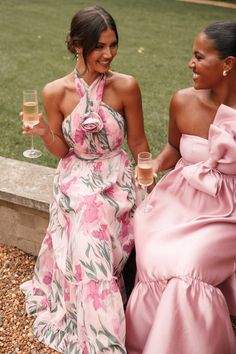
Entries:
{"x":206,"y":176}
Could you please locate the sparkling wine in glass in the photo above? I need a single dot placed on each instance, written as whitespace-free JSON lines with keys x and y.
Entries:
{"x":30,"y":118}
{"x":145,"y":173}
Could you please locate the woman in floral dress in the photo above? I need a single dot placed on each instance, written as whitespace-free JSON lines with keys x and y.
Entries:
{"x":77,"y":289}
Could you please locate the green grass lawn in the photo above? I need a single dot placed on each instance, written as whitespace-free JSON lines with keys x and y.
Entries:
{"x":33,"y":52}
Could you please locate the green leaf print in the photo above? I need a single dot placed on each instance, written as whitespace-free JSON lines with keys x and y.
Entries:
{"x":92,"y":181}
{"x":71,"y":326}
{"x":70,"y":348}
{"x":102,"y":268}
{"x":113,"y":340}
{"x":100,"y":345}
{"x":73,"y":312}
{"x":103,"y":139}
{"x":53,"y":336}
{"x":93,"y":329}
{"x":65,"y":203}
{"x":112,"y":202}
{"x":91,"y":276}
{"x":88,"y":250}
{"x":33,"y":309}
{"x":104,"y":251}
{"x":115,"y":114}
{"x":89,"y":266}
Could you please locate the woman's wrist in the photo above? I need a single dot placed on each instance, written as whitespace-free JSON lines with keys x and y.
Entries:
{"x":49,"y":137}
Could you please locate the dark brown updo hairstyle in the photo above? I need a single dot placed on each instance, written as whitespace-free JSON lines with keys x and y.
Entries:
{"x":86,"y":28}
{"x":224,"y":36}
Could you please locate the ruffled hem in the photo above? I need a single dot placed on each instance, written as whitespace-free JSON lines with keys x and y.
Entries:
{"x":68,"y":344}
{"x":163,"y":316}
{"x":87,"y":318}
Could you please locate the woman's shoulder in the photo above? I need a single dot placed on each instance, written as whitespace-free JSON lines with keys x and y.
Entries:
{"x":122,"y":82}
{"x":188,"y":95}
{"x":182,"y":95}
{"x":56,"y":88}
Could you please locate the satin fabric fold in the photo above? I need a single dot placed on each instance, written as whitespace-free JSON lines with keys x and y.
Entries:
{"x":206,"y":175}
{"x":186,"y":251}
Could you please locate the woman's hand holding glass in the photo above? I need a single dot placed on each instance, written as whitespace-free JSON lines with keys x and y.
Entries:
{"x":36,"y":126}
{"x":145,"y":174}
{"x":30,"y":118}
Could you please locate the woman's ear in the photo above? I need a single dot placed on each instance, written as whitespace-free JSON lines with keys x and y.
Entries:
{"x":229,"y":63}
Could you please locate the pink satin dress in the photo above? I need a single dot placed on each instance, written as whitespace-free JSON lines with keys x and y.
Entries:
{"x":186,"y":251}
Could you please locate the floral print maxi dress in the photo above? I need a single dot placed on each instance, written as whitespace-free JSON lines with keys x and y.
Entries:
{"x":74,"y":294}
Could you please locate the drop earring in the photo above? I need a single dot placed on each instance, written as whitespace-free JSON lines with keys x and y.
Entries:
{"x":225,"y":73}
{"x":77,"y":56}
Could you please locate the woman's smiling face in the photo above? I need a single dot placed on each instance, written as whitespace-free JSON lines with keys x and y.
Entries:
{"x":205,"y":63}
{"x":99,"y":60}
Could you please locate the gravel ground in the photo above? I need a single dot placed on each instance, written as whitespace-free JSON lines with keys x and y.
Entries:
{"x":15,"y":325}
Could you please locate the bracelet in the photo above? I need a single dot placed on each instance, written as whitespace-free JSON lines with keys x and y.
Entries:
{"x":53,"y":139}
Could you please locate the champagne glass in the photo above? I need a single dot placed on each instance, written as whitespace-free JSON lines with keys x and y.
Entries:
{"x":145,"y":174}
{"x":30,"y":118}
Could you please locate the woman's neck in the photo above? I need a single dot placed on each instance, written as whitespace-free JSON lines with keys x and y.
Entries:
{"x":225,"y":94}
{"x":84,"y":73}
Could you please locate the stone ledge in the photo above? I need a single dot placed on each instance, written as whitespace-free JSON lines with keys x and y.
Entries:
{"x":26,"y":184}
{"x":25,"y":194}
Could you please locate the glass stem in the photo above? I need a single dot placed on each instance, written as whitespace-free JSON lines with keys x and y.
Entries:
{"x":147,"y":207}
{"x":32,"y":142}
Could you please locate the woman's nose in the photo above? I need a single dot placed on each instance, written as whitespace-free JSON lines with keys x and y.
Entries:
{"x":108,"y":52}
{"x":191,"y":63}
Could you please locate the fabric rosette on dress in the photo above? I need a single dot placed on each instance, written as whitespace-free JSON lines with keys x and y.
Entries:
{"x":91,"y":123}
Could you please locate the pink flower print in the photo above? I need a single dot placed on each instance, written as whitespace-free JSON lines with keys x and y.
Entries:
{"x":37,"y":291}
{"x":125,"y":222}
{"x":85,"y":348}
{"x":82,"y":336}
{"x":66,"y":185}
{"x":47,"y":279}
{"x":78,"y":272}
{"x":128,"y":247}
{"x":114,"y":286}
{"x":79,"y":90}
{"x":101,"y":234}
{"x":111,"y":191}
{"x":48,"y":241}
{"x":97,"y":166}
{"x":65,"y":163}
{"x":116,"y":326}
{"x":44,"y":303}
{"x":105,"y":293}
{"x":66,"y":291}
{"x":91,"y":212}
{"x":93,"y":288}
{"x":91,"y":123}
{"x":79,"y":136}
{"x":94,"y":295}
{"x":127,"y":163}
{"x":102,"y":115}
{"x":68,"y":224}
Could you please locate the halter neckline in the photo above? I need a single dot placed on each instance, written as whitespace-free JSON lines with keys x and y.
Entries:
{"x":79,"y":77}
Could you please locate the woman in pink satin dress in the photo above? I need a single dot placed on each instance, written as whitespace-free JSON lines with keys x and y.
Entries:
{"x":186,"y":243}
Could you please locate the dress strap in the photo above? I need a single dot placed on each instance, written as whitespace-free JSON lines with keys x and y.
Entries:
{"x":93,"y":93}
{"x":86,"y":114}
